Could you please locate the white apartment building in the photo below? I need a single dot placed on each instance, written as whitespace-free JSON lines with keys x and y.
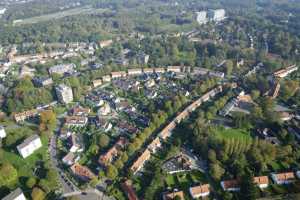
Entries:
{"x":216,"y":15}
{"x":202,"y":17}
{"x":2,"y":132}
{"x":62,"y":69}
{"x":64,"y":93}
{"x":29,"y":145}
{"x":17,"y":194}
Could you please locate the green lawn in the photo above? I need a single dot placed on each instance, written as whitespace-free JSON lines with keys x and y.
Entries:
{"x":185,"y":179}
{"x":26,"y":166}
{"x":222,"y":133}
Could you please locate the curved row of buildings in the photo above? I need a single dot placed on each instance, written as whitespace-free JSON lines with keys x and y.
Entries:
{"x":167,"y":131}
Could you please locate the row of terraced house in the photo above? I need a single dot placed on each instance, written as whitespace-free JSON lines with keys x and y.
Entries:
{"x":167,"y":131}
{"x":140,"y":71}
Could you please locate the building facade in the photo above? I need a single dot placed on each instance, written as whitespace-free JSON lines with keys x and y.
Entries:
{"x":29,"y":145}
{"x":64,"y":94}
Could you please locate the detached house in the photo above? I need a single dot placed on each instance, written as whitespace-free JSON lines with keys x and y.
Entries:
{"x":78,"y":121}
{"x":80,"y":111}
{"x":199,"y":191}
{"x":106,"y":78}
{"x":29,"y":145}
{"x":230,"y":185}
{"x":283,"y":178}
{"x":173,"y":195}
{"x":97,"y":82}
{"x":82,"y":172}
{"x":261,"y":181}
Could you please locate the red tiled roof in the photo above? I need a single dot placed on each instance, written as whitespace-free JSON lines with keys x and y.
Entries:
{"x":140,"y":161}
{"x":128,"y":189}
{"x":199,"y":189}
{"x":173,"y":195}
{"x":231,"y":184}
{"x":82,"y":171}
{"x":285,"y":176}
{"x":261,"y":180}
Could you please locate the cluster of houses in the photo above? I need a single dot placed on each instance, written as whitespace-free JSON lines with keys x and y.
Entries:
{"x":234,"y":185}
{"x":111,"y":155}
{"x":141,"y":71}
{"x":167,"y":131}
{"x":77,"y":118}
{"x":284,"y":72}
{"x":262,"y":181}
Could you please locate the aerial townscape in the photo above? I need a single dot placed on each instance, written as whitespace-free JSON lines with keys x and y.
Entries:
{"x":149,"y":99}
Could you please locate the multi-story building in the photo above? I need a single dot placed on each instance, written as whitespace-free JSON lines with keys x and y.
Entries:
{"x":216,"y":15}
{"x":29,"y":145}
{"x":62,"y":69}
{"x":2,"y":132}
{"x":202,"y":17}
{"x":41,"y":82}
{"x":64,"y":93}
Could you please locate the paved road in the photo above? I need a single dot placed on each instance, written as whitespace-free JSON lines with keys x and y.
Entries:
{"x":67,"y":185}
{"x":89,"y":194}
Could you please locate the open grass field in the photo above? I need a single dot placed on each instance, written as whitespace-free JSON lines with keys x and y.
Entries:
{"x":232,"y":134}
{"x":26,"y":166}
{"x":185,"y":179}
{"x":57,"y":15}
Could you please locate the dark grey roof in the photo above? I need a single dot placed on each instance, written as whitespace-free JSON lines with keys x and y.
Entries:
{"x":13,"y":195}
{"x":27,"y":141}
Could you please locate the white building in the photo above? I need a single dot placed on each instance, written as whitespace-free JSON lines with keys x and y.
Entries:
{"x":29,"y":145}
{"x":17,"y":194}
{"x":104,"y":110}
{"x":76,"y":143}
{"x":64,"y":93}
{"x":70,"y":159}
{"x":216,"y":15}
{"x":62,"y":69}
{"x":2,"y":132}
{"x":202,"y":17}
{"x":2,"y":11}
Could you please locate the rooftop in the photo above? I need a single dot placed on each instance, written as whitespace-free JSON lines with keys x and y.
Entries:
{"x":27,"y":141}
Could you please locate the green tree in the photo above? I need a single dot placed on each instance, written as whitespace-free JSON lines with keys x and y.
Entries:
{"x":248,"y":187}
{"x":31,"y":181}
{"x":8,"y":174}
{"x":111,"y":172}
{"x":38,"y":194}
{"x":229,"y":67}
{"x":47,"y":120}
{"x":103,"y":140}
{"x":255,"y":94}
{"x":216,"y":171}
